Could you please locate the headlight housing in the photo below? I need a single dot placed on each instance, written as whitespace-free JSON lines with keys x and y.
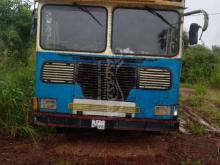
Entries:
{"x":166,"y":110}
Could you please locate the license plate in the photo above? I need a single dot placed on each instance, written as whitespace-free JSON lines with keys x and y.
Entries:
{"x":99,"y":124}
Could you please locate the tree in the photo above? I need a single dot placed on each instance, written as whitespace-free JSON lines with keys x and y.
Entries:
{"x":216,"y":49}
{"x":185,"y":40}
{"x":15,"y":24}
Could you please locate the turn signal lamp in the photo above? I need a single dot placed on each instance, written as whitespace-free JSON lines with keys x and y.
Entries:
{"x":35,"y":104}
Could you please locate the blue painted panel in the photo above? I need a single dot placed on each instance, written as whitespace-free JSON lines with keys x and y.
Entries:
{"x":145,"y":99}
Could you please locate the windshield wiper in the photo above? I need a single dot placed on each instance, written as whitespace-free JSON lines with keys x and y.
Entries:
{"x":84,"y":9}
{"x":154,"y":12}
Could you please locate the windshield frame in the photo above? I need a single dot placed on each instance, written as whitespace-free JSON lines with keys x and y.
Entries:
{"x":149,"y":55}
{"x":80,"y":51}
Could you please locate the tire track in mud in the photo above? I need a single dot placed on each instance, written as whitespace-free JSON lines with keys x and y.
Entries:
{"x":191,"y":114}
{"x":194,"y":116}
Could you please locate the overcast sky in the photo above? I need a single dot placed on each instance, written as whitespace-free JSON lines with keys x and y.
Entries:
{"x":212,"y":35}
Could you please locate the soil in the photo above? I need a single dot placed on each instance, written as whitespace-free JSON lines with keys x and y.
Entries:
{"x":91,"y":147}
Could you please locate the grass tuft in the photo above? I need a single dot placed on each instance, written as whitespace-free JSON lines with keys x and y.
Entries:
{"x":197,"y":129}
{"x":16,"y":92}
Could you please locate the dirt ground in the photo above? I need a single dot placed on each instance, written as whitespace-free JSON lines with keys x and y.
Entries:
{"x":90,"y":147}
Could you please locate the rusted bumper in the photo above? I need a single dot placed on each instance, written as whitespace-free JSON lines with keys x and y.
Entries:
{"x":80,"y":121}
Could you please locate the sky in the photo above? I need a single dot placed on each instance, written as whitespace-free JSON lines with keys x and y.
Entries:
{"x":212,"y":35}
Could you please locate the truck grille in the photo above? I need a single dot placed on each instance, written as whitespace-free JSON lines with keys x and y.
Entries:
{"x":152,"y":78}
{"x":58,"y":72}
{"x":105,"y":81}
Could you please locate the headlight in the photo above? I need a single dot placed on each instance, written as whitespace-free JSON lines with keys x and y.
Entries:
{"x":175,"y":111}
{"x":166,"y":110}
{"x":50,"y":104}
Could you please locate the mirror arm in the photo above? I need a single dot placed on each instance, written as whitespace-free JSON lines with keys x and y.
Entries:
{"x":206,"y":19}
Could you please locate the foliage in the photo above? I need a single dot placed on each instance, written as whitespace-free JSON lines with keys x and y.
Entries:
{"x":201,"y":66}
{"x":15,"y":24}
{"x":16,"y":91}
{"x":211,"y":107}
{"x":185,"y":40}
{"x":16,"y":81}
{"x":206,"y":102}
{"x":197,"y":99}
{"x":197,"y":162}
{"x":197,"y":129}
{"x":216,"y":49}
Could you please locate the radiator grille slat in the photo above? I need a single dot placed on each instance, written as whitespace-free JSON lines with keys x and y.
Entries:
{"x":58,"y":72}
{"x":151,"y":78}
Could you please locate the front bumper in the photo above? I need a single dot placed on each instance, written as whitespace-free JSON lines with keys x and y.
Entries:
{"x":80,"y":121}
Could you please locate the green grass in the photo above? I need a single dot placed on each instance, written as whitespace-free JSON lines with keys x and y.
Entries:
{"x":215,"y":80}
{"x":212,"y":115}
{"x":197,"y":129}
{"x":16,"y":92}
{"x":201,"y":65}
{"x":197,"y":162}
{"x":197,"y":99}
{"x":63,"y":162}
{"x":210,"y":107}
{"x":206,"y":102}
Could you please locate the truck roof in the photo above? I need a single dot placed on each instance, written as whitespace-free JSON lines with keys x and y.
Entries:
{"x":170,"y":3}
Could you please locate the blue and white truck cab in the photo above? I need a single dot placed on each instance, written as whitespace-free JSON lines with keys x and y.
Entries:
{"x":109,"y":64}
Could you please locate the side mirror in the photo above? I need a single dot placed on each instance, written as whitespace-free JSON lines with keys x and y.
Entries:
{"x":194,"y":34}
{"x":194,"y":28}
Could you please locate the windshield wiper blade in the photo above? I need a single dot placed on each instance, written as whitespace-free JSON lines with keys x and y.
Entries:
{"x":154,"y":12}
{"x":84,"y":9}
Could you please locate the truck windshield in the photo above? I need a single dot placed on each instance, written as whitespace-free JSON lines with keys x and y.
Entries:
{"x":70,"y":28}
{"x":140,"y":32}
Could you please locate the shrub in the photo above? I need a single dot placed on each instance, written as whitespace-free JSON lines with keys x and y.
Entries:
{"x":215,"y":79}
{"x":199,"y":66}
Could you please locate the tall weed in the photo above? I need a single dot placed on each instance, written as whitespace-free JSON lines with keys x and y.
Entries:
{"x":16,"y":92}
{"x":215,"y":79}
